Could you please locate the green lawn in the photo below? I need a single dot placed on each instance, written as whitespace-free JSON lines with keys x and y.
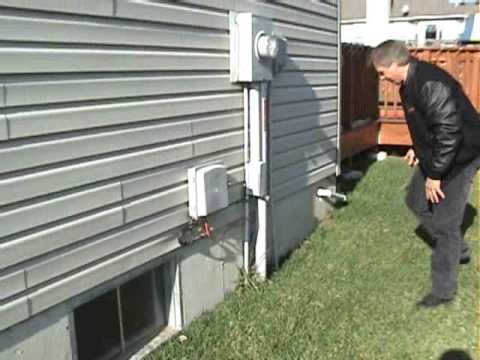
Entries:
{"x":348,"y":293}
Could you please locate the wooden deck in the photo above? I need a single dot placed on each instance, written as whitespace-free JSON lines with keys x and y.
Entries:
{"x":393,"y":132}
{"x":387,"y":132}
{"x":359,"y":139}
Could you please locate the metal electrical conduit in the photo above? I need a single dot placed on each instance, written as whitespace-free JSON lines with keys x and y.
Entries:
{"x":259,"y":132}
{"x":256,"y":165}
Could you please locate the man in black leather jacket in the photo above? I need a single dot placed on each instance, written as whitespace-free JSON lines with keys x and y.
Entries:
{"x":445,"y":131}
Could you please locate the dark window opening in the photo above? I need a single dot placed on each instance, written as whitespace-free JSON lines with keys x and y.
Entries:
{"x":124,"y":318}
{"x":431,"y":32}
{"x":138,"y":313}
{"x":98,"y":328}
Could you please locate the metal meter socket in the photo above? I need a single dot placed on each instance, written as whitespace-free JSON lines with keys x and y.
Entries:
{"x":266,"y":46}
{"x":253,"y":48}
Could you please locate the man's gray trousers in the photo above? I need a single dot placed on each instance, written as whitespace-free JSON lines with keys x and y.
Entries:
{"x":443,"y":222}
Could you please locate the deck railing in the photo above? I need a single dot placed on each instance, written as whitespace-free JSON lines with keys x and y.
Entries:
{"x":365,"y":98}
{"x":461,"y":62}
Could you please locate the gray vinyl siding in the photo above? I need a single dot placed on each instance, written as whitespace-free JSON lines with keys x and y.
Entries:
{"x":304,"y":102}
{"x":106,"y":104}
{"x":303,"y":118}
{"x":304,"y":96}
{"x":102,"y":115}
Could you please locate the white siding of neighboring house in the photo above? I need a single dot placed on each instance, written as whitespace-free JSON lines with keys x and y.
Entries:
{"x":449,"y":30}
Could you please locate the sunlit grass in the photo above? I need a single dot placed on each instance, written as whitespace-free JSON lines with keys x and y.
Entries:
{"x":348,"y":293}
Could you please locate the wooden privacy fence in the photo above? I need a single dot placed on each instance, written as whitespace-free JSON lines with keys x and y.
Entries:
{"x":462,"y":62}
{"x":359,"y":86}
{"x":359,"y":101}
{"x":364,"y":97}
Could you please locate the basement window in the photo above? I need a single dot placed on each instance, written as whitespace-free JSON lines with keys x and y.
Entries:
{"x":124,"y":318}
{"x":97,"y":327}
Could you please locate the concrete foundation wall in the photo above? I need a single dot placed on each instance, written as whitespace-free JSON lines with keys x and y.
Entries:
{"x":45,"y":337}
{"x":296,"y":217}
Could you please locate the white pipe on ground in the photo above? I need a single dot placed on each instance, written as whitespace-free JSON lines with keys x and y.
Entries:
{"x":329,"y":193}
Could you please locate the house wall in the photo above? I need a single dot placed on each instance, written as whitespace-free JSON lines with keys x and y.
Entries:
{"x":353,"y":9}
{"x":103,"y":112}
{"x":447,"y":30}
{"x":432,"y":7}
{"x":448,"y":17}
{"x":356,"y":9}
{"x":304,"y":117}
{"x":105,"y":104}
{"x":354,"y":33}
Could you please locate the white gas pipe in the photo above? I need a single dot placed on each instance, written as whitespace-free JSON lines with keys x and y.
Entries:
{"x":329,"y":193}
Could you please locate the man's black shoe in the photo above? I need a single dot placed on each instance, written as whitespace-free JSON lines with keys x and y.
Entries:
{"x":431,"y":300}
{"x":464,"y":260}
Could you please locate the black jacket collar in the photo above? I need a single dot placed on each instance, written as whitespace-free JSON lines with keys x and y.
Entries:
{"x":412,"y":69}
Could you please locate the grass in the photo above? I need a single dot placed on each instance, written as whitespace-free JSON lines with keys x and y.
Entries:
{"x":348,"y":292}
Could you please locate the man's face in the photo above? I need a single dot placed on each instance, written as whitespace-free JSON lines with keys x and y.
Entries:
{"x":391,"y":73}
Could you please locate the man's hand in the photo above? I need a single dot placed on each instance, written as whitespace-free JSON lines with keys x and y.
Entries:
{"x":410,"y":158}
{"x":433,"y":190}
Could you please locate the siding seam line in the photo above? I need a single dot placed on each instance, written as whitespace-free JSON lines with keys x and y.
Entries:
{"x":25,"y":279}
{"x":7,"y":126}
{"x":4,"y":94}
{"x":122,"y":191}
{"x":115,"y":8}
{"x":26,"y":289}
{"x":7,"y":121}
{"x":192,"y":136}
{"x":124,"y":215}
{"x":122,"y":195}
{"x":29,"y":301}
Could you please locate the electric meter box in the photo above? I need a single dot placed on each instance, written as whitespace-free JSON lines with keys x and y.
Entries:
{"x":207,"y":189}
{"x":252,"y":48}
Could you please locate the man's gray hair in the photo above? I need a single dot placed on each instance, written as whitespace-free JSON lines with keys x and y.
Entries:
{"x":389,"y":52}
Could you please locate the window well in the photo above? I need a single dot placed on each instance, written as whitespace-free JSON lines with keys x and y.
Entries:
{"x":124,"y":318}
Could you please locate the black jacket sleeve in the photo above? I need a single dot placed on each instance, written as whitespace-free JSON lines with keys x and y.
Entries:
{"x":445,"y":123}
